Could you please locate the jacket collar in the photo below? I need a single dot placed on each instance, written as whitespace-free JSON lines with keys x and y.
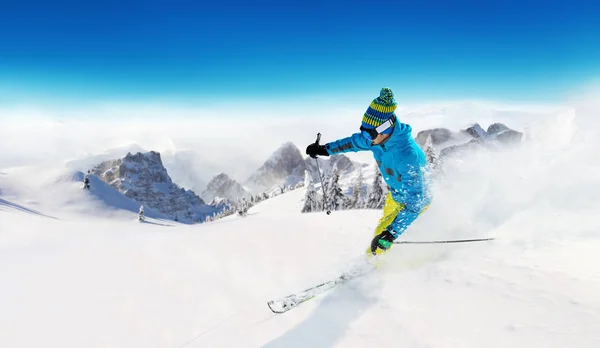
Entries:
{"x":398,"y":139}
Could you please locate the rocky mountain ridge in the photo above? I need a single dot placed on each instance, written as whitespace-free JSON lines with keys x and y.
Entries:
{"x":143,"y":178}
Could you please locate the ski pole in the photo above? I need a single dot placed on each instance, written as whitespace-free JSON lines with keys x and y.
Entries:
{"x":446,"y":241}
{"x":320,"y":177}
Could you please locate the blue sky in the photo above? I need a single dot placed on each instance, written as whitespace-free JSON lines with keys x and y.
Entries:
{"x":263,"y":50}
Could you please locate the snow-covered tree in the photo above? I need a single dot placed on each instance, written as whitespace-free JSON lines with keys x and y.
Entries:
{"x":335,"y":196}
{"x":311,"y":202}
{"x":376,"y":197}
{"x":432,"y":158}
{"x":243,"y":207}
{"x":86,"y":181}
{"x":141,"y":216}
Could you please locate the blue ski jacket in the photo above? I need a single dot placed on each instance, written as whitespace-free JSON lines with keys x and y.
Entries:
{"x":403,"y":166}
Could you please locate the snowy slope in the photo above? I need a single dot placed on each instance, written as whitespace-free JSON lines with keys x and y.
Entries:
{"x":60,"y":193}
{"x":93,"y":282}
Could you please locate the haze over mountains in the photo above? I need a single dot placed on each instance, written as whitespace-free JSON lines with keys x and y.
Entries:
{"x":142,"y":177}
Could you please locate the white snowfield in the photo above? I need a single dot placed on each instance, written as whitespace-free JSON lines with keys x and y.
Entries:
{"x":89,"y":277}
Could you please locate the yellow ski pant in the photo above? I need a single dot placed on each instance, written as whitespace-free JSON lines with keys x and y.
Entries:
{"x":391,"y":209}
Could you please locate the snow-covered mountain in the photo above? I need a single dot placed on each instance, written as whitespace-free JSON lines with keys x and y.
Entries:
{"x":103,"y":192}
{"x":143,"y":178}
{"x":222,"y":204}
{"x":440,"y":136}
{"x":345,"y":166}
{"x":225,"y":187}
{"x":286,"y":166}
{"x":449,"y":144}
{"x":443,"y":137}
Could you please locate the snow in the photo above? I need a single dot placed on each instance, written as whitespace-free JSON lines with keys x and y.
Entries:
{"x":94,"y":282}
{"x":91,"y":276}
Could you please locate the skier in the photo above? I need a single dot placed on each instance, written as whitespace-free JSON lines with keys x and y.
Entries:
{"x":402,"y":164}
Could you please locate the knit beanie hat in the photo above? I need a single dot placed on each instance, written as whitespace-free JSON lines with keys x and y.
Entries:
{"x":381,"y":109}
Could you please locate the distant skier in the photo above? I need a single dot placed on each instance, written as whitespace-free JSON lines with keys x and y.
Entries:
{"x":402,"y":163}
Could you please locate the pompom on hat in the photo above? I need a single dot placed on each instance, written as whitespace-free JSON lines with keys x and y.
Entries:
{"x":380,"y":111}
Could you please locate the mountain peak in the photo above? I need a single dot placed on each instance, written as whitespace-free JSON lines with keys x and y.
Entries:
{"x":221,"y":176}
{"x":150,"y":156}
{"x":143,"y":178}
{"x":288,"y":144}
{"x":224,"y":186}
{"x":284,"y":162}
{"x":286,"y":150}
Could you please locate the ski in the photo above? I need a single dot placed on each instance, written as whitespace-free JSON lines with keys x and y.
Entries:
{"x":285,"y":304}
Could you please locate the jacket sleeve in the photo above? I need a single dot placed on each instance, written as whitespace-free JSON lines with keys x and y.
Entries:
{"x":402,"y":221}
{"x":354,"y":143}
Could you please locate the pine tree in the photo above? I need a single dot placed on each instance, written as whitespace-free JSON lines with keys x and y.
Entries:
{"x":141,"y":216}
{"x":310,"y":198}
{"x":86,"y":181}
{"x":376,"y":197}
{"x":335,"y":196}
{"x":242,"y":207}
{"x":432,"y":158}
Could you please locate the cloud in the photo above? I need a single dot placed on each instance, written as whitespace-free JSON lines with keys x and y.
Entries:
{"x":220,"y":137}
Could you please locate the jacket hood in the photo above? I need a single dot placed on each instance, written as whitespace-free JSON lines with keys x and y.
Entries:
{"x":400,"y":137}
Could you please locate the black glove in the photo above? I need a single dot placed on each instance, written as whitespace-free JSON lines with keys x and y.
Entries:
{"x":382,"y":241}
{"x":314,"y":150}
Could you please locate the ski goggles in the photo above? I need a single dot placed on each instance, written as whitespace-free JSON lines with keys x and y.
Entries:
{"x":372,"y":133}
